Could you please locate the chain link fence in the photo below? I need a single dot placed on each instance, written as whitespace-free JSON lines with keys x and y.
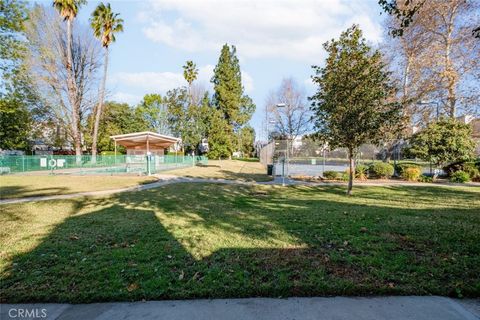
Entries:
{"x":85,"y":164}
{"x":309,"y":158}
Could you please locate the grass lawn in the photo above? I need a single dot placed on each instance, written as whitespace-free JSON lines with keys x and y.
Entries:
{"x":226,"y":169}
{"x":18,"y":186}
{"x":209,"y":240}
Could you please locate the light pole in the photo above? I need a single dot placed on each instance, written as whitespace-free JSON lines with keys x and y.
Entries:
{"x":283,"y":105}
{"x":268,"y":131}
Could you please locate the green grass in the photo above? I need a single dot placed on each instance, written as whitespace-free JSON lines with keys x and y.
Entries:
{"x":209,"y":240}
{"x":18,"y":186}
{"x":226,"y":169}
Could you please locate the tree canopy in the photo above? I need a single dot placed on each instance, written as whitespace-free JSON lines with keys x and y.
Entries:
{"x":351,"y":106}
{"x":153,"y":113}
{"x":235,"y":107}
{"x":16,"y":99}
{"x":442,"y":142}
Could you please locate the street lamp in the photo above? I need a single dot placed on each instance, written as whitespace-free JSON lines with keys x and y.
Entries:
{"x":426,"y":103}
{"x":283,"y":105}
{"x":268,"y":131}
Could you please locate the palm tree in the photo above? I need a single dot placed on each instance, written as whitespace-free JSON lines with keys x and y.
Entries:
{"x":105,"y":24}
{"x":68,"y":10}
{"x":190,"y":73}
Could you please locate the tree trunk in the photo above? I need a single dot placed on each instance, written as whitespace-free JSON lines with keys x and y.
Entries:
{"x":72,"y":95}
{"x":449,"y":70}
{"x":98,"y":112}
{"x":351,"y":173}
{"x":451,"y":83}
{"x":406,"y":110}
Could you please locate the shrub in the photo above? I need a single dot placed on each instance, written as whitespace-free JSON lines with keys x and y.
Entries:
{"x":424,"y":178}
{"x":381,"y":170}
{"x":411,"y":173}
{"x":361,"y":172}
{"x":330,"y":175}
{"x":466,"y":166}
{"x":400,"y":167}
{"x":345,"y":175}
{"x":460,"y":177}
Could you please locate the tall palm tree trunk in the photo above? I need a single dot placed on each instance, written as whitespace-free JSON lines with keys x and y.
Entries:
{"x":72,"y":94}
{"x":98,"y":114}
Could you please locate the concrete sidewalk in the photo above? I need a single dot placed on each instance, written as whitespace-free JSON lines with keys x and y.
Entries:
{"x":338,"y":308}
{"x":163,"y":181}
{"x":169,"y":179}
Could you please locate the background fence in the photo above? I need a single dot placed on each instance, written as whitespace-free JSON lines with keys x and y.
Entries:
{"x":308,"y":158}
{"x":85,"y":164}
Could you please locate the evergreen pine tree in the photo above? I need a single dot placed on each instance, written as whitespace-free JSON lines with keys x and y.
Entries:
{"x":234,"y":107}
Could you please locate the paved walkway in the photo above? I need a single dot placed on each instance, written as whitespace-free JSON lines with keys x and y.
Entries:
{"x":163,"y":180}
{"x":169,"y":179}
{"x":338,"y":308}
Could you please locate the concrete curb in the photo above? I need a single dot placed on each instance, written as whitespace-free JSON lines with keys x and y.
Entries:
{"x":339,"y":308}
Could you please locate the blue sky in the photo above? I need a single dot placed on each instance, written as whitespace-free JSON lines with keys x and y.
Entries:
{"x":274,"y":39}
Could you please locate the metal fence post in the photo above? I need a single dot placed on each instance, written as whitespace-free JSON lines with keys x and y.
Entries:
{"x":324,"y":155}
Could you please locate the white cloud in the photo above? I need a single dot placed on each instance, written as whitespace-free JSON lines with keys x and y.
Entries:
{"x":125,"y":97}
{"x":309,"y":83}
{"x":151,"y":81}
{"x":247,"y":82}
{"x":161,"y":82}
{"x":292,"y":29}
{"x":205,"y":74}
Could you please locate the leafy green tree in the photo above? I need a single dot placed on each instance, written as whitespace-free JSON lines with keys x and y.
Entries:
{"x":351,"y":105}
{"x":442,"y":142}
{"x":15,"y":97}
{"x":68,"y":10}
{"x":187,"y":121}
{"x":15,"y":123}
{"x":229,"y":98}
{"x":13,"y":13}
{"x":177,"y":104}
{"x":219,"y":136}
{"x":246,"y":140}
{"x":198,"y":115}
{"x":154,"y":114}
{"x":118,"y":118}
{"x":105,"y":23}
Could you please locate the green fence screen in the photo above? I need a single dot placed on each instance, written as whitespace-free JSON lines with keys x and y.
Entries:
{"x":85,"y":164}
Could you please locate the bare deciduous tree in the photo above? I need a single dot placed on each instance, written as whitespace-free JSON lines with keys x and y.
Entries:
{"x":437,"y":58}
{"x":292,"y":118}
{"x":47,"y":63}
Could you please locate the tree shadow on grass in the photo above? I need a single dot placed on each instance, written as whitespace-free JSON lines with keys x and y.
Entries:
{"x":138,"y":245}
{"x":416,"y":195}
{"x":9,"y":192}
